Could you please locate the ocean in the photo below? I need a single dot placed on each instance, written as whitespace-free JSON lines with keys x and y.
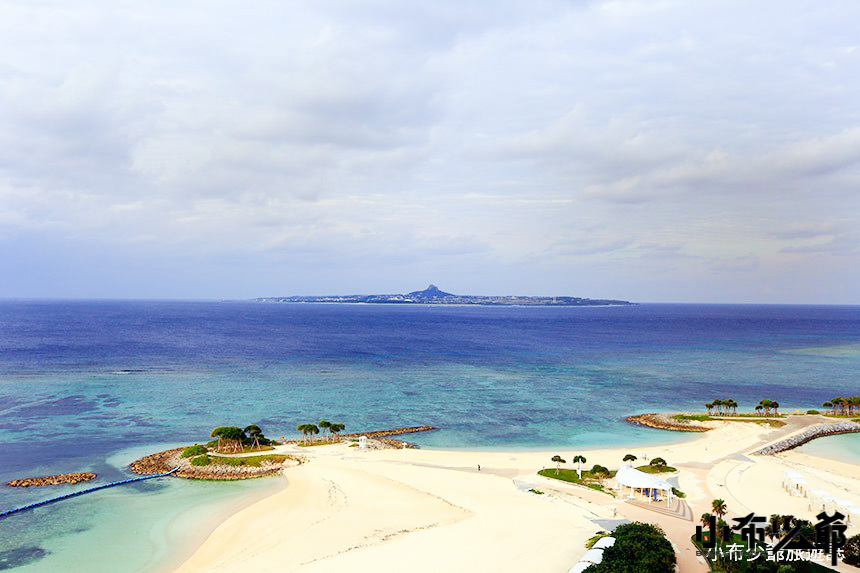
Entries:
{"x":90,"y":385}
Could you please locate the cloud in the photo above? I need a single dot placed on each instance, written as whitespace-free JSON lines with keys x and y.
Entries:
{"x":468,"y":136}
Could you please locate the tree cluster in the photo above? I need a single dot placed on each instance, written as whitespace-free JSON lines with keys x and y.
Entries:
{"x":718,"y":405}
{"x":638,"y":547}
{"x":234,"y":438}
{"x":767,"y":406}
{"x":843,"y":406}
{"x":324,"y":425}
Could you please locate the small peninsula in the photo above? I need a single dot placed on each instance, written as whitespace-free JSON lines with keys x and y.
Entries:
{"x":432,"y":295}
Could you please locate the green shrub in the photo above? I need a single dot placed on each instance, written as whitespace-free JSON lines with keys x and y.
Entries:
{"x":852,"y":551}
{"x":200,"y":461}
{"x":678,"y":493}
{"x":638,"y":547}
{"x":813,"y":412}
{"x":194,"y":450}
{"x":536,"y":491}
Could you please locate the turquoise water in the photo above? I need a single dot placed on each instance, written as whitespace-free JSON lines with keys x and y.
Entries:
{"x":843,"y":448}
{"x":152,"y":526}
{"x":89,"y":386}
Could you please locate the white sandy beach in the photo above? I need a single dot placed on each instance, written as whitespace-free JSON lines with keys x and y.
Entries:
{"x":430,"y":510}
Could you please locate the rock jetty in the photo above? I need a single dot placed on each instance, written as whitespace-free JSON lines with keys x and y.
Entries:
{"x":167,"y":460}
{"x":62,"y":479}
{"x":812,"y":432}
{"x":394,"y":432}
{"x":667,"y":422}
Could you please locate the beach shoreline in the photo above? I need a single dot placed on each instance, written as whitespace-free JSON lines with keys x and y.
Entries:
{"x":486,"y":517}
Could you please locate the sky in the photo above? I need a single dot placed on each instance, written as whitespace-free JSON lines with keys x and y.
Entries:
{"x":652,"y":151}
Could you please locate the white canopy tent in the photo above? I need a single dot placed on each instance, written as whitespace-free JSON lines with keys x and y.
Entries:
{"x":652,"y":487}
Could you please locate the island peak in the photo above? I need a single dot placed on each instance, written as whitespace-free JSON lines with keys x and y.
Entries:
{"x":432,"y":295}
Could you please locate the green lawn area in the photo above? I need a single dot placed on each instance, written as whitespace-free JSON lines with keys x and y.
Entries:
{"x":692,"y":418}
{"x":754,"y":418}
{"x":649,"y":469}
{"x":254,"y":461}
{"x":588,"y":479}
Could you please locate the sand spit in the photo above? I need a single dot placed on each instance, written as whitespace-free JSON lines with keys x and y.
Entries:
{"x":349,"y":509}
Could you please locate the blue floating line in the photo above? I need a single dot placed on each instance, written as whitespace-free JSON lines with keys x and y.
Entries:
{"x":82,"y":492}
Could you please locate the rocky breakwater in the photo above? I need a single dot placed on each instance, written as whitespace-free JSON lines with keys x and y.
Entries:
{"x":668,"y":422}
{"x":810,"y":433}
{"x":382,"y":438}
{"x":62,"y":479}
{"x":221,"y":468}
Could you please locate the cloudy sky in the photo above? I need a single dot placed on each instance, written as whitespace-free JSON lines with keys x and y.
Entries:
{"x":651,"y":150}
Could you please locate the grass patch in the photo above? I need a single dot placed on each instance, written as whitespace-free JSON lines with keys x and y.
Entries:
{"x":588,"y":479}
{"x":678,"y":493}
{"x":311,"y":444}
{"x":254,"y":461}
{"x":692,"y":418}
{"x":649,"y":469}
{"x":592,"y":540}
{"x":758,"y":420}
{"x":749,"y":415}
{"x":201,"y":461}
{"x":536,"y":491}
{"x":195,"y":450}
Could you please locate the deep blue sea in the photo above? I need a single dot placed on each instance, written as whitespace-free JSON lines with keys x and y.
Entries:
{"x":92,"y":385}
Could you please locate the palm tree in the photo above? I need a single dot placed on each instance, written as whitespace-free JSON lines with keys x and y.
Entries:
{"x":313,"y":430}
{"x":719,"y":507}
{"x":306,"y":429}
{"x":705,"y":519}
{"x":581,"y":460}
{"x":325,"y":425}
{"x":734,"y":406}
{"x":629,"y":458}
{"x":335,"y":428}
{"x":558,"y":461}
{"x":775,"y":406}
{"x":255,"y":433}
{"x":758,"y":409}
{"x":303,"y":428}
{"x":830,"y":406}
{"x":709,"y":406}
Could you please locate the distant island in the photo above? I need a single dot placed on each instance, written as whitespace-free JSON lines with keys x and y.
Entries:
{"x":432,"y":295}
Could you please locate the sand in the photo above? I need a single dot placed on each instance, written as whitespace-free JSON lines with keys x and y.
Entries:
{"x":431,"y":510}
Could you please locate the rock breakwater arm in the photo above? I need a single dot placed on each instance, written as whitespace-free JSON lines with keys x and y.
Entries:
{"x":61,"y":479}
{"x":809,"y":434}
{"x":666,"y":422}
